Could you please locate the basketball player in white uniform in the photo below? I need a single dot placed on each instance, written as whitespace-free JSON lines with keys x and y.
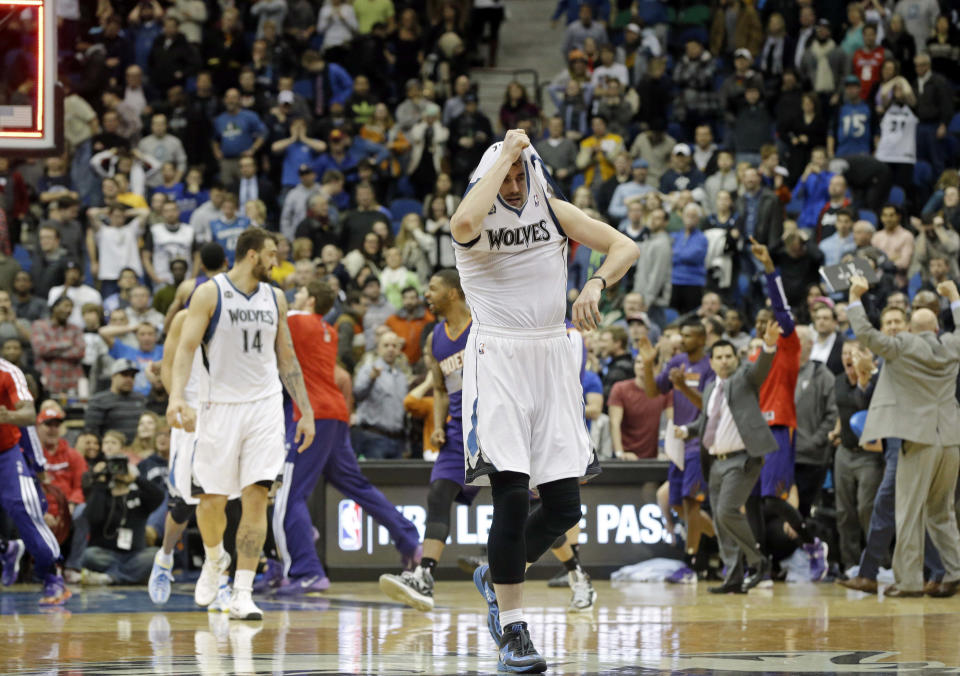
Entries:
{"x":240,"y":320}
{"x":522,"y":400}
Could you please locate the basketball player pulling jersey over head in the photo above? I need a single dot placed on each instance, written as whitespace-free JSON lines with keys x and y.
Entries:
{"x":523,"y":420}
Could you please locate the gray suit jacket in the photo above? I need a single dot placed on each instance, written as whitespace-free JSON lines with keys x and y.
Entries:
{"x":914,"y":398}
{"x":742,"y":391}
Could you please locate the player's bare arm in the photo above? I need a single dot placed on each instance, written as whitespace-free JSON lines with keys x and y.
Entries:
{"x":179,"y":414}
{"x":441,"y":399}
{"x":466,"y":222}
{"x":621,"y":253}
{"x":24,"y":415}
{"x":170,"y":349}
{"x":179,"y":300}
{"x":291,"y":375}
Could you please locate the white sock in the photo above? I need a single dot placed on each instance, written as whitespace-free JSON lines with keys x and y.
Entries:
{"x":243,"y":580}
{"x":213,"y":553}
{"x":508,"y":617}
{"x":165,"y":559}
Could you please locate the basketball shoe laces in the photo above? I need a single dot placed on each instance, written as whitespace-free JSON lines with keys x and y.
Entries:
{"x":519,"y":642}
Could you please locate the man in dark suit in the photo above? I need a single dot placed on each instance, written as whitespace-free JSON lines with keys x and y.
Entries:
{"x":934,"y":110}
{"x":827,"y":342}
{"x":734,"y":438}
{"x":250,"y":186}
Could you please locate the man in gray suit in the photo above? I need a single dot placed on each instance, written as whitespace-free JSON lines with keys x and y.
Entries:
{"x":734,"y":437}
{"x":914,"y":401}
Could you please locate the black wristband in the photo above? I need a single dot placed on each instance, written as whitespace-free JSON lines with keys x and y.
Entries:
{"x":601,"y":279}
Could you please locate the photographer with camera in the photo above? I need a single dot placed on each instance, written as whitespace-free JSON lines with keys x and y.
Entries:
{"x":119,"y":501}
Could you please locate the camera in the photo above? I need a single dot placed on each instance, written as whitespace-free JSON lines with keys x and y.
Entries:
{"x":116,"y":465}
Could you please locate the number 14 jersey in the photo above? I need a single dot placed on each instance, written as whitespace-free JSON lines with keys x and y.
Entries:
{"x":239,"y":345}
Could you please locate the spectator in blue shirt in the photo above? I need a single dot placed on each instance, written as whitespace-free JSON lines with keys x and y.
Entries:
{"x":338,"y":157}
{"x":225,"y":230}
{"x":813,"y":188}
{"x":145,"y":27}
{"x":147,"y":352}
{"x":569,"y":10}
{"x":689,"y":262}
{"x":333,"y":83}
{"x":297,"y":149}
{"x":237,"y":133}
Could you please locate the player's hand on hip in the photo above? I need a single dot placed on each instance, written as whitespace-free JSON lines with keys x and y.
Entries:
{"x":438,"y":438}
{"x":586,"y":309}
{"x":305,"y":432}
{"x":182,"y":416}
{"x":514,"y":143}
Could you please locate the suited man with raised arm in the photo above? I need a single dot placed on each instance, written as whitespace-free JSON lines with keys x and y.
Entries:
{"x":734,"y":438}
{"x":914,"y":401}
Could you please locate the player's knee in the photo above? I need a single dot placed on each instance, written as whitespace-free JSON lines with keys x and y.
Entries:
{"x":254,"y":496}
{"x":561,"y":500}
{"x":437,"y":530}
{"x":511,"y":503}
{"x":559,"y":542}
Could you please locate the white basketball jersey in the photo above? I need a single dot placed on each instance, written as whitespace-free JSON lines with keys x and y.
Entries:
{"x":239,"y":345}
{"x":898,"y":136}
{"x":169,"y":245}
{"x":514,"y":274}
{"x":198,"y":382}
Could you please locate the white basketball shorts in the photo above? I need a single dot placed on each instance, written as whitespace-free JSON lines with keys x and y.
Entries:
{"x":522,"y":405}
{"x":181,"y":457}
{"x":238,"y":445}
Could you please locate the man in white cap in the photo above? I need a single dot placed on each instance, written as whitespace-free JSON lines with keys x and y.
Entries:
{"x":682,"y":174}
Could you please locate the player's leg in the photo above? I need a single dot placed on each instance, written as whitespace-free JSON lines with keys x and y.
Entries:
{"x":291,"y":516}
{"x":506,"y":548}
{"x":179,"y":511}
{"x":161,"y":575}
{"x":214,"y":476}
{"x":343,"y":473}
{"x":776,"y":482}
{"x":22,"y":502}
{"x":251,"y":535}
{"x":415,"y":587}
{"x":211,"y":521}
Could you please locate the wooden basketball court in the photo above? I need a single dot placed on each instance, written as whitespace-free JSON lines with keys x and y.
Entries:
{"x":353,"y":629}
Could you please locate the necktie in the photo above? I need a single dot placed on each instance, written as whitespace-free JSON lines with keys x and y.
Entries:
{"x":713,"y":419}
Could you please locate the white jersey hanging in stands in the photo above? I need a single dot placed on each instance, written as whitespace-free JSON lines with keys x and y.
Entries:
{"x":239,"y":345}
{"x":514,"y":274}
{"x":898,"y":136}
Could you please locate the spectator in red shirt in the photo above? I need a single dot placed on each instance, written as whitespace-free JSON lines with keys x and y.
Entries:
{"x":868,"y":60}
{"x":65,"y":466}
{"x":635,"y":417}
{"x":58,"y":348}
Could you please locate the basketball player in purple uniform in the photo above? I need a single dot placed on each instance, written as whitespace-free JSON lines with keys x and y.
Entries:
{"x":447,"y":343}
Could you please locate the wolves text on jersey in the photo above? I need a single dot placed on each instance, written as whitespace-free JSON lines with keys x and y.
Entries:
{"x":259,"y":316}
{"x":519,"y":236}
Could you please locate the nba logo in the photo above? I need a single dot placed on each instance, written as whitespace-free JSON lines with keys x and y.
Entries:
{"x":350,"y":535}
{"x":480,"y":349}
{"x":536,"y":200}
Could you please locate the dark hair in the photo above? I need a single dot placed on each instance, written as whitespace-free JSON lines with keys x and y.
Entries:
{"x":252,"y":239}
{"x":451,"y":278}
{"x":819,"y":305}
{"x":322,"y":294}
{"x":403,"y":291}
{"x":371,"y":278}
{"x":722,"y":343}
{"x":179,"y":261}
{"x":693,"y":323}
{"x":353,"y":297}
{"x":122,"y":270}
{"x":618,"y":334}
{"x":894,"y":308}
{"x":847,"y":211}
{"x":716,"y":326}
{"x":212,"y":256}
{"x":891,"y":205}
